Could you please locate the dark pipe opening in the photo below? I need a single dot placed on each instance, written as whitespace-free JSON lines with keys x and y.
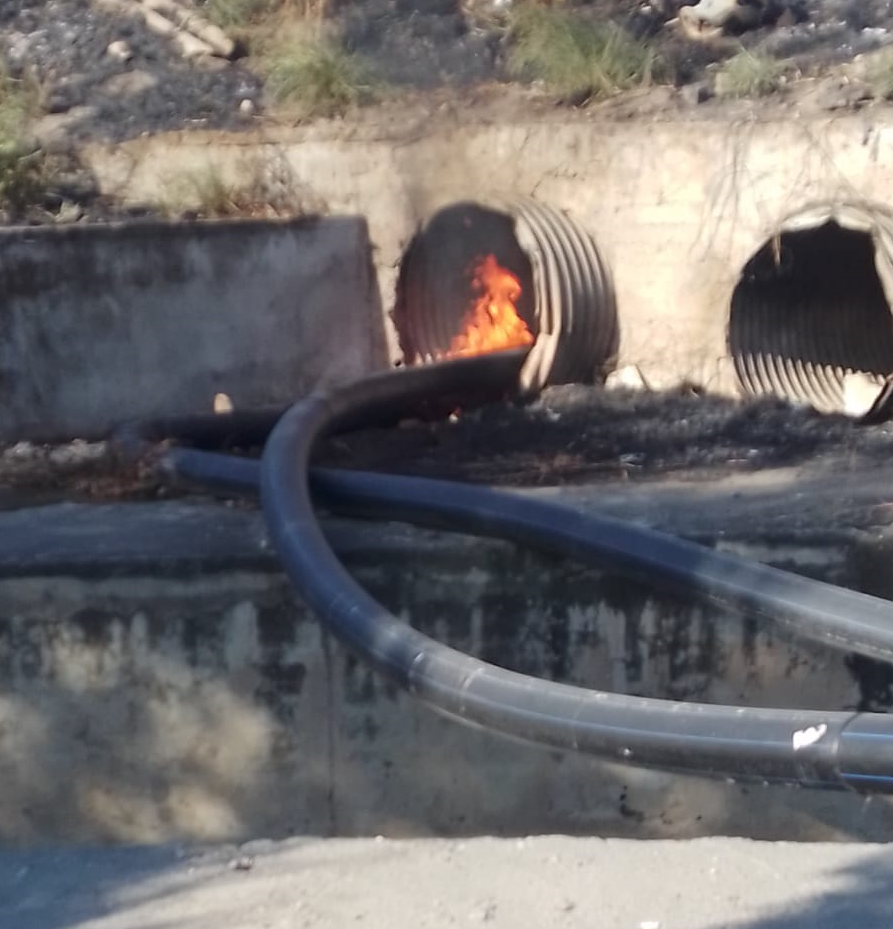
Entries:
{"x":434,"y":288}
{"x":567,"y":296}
{"x":808,"y":310}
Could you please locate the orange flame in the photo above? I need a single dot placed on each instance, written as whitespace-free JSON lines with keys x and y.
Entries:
{"x":492,"y":323}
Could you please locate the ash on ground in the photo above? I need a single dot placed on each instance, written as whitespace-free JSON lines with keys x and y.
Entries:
{"x":87,"y":92}
{"x":34,"y":474}
{"x":570,"y":435}
{"x":580,"y":434}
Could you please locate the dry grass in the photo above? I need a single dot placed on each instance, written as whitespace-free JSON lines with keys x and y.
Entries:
{"x":749,"y":74}
{"x":237,"y":14}
{"x":573,"y":55}
{"x":266,"y":188}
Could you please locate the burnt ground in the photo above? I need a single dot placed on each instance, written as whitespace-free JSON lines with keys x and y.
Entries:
{"x":580,"y":434}
{"x":437,"y":58}
{"x":570,"y":435}
{"x":434,"y":48}
{"x":425,"y":46}
{"x":62,"y":45}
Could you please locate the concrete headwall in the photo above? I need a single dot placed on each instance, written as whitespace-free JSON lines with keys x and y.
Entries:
{"x":103,"y":323}
{"x":159,"y":680}
{"x":676,"y":206}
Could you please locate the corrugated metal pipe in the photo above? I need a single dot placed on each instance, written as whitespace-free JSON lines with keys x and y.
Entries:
{"x":810,"y":318}
{"x":567,"y":295}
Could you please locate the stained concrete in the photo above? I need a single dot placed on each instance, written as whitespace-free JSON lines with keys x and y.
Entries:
{"x":677,"y":205}
{"x":104,"y":323}
{"x":160,"y":681}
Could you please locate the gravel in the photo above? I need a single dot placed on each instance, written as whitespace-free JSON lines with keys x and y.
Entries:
{"x":65,"y":43}
{"x":89,"y":93}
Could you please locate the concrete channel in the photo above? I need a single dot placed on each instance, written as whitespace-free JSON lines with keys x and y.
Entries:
{"x":682,"y":210}
{"x":161,"y":681}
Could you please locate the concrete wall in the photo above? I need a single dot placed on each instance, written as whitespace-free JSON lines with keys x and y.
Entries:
{"x":158,"y":681}
{"x":100,"y":324}
{"x":677,"y":206}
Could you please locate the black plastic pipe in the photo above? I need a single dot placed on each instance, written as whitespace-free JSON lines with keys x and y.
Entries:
{"x":860,"y":744}
{"x":864,"y":738}
{"x":811,"y":748}
{"x":834,"y":616}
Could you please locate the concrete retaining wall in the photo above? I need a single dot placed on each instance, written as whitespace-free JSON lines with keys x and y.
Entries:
{"x":676,"y":206}
{"x":100,"y":324}
{"x":158,"y":681}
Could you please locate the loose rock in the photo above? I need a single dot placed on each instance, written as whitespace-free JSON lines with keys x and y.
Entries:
{"x":120,"y":50}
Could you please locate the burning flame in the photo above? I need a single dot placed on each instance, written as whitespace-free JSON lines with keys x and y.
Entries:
{"x":492,"y":323}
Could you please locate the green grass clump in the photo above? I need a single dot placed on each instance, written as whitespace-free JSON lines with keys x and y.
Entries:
{"x":243,"y":14}
{"x":880,"y":76}
{"x":207,"y":193}
{"x":237,"y":14}
{"x":17,"y":102}
{"x":256,"y":188}
{"x":576,"y":56}
{"x":749,"y":74}
{"x":214,"y":196}
{"x":319,"y":77}
{"x":23,"y":172}
{"x":23,"y":179}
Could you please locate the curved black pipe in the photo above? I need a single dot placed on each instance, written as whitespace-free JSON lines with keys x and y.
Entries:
{"x":834,"y":616}
{"x":494,"y":380}
{"x":807,"y":747}
{"x":814,"y":748}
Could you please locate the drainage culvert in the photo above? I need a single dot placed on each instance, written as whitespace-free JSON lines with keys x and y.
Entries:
{"x":810,"y":316}
{"x":479,"y":278}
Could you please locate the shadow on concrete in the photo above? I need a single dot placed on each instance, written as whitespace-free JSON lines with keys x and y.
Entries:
{"x":63,"y":888}
{"x":857,"y":897}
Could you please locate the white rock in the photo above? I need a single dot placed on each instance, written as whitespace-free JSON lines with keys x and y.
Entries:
{"x":223,"y":404}
{"x":629,"y":377}
{"x":246,"y":107}
{"x":119,"y":49}
{"x":708,"y":18}
{"x":860,"y":392}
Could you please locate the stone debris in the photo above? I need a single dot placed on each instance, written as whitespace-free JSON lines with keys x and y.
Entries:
{"x":120,"y":49}
{"x":190,"y":31}
{"x":629,"y":377}
{"x":863,"y":393}
{"x":191,"y":75}
{"x":711,"y":18}
{"x":83,"y":54}
{"x":223,"y":403}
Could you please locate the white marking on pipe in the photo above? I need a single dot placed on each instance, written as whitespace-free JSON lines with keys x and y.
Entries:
{"x":804,"y":737}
